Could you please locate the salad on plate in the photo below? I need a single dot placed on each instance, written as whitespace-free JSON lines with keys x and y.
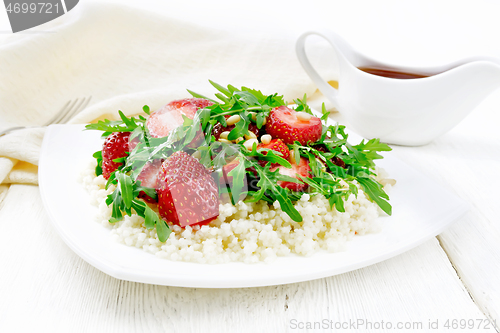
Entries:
{"x":243,"y":177}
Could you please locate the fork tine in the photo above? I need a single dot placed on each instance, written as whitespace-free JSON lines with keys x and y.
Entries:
{"x":78,"y":103}
{"x":64,"y":114}
{"x":77,"y":109}
{"x":86,"y":103}
{"x":58,"y":114}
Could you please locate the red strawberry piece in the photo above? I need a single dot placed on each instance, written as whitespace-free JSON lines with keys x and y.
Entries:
{"x":229,"y":167}
{"x":218,"y":129}
{"x":283,"y":124}
{"x":115,"y":146}
{"x":302,"y":169}
{"x":164,"y":120}
{"x":148,"y":177}
{"x":276,"y":145}
{"x":189,"y":106}
{"x":187,"y":193}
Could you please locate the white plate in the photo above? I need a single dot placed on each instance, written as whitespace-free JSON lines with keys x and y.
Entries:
{"x":421,"y":210}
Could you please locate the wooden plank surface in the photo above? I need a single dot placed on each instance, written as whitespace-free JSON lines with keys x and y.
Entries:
{"x":44,"y":286}
{"x":467,"y":161}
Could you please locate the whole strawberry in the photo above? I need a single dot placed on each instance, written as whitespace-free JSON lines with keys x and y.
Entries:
{"x":115,"y":146}
{"x":289,"y":125}
{"x":187,"y":193}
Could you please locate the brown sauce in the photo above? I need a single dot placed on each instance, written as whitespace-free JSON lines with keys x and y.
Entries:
{"x":391,"y":74}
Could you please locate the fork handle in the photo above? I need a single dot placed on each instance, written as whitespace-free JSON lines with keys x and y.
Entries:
{"x":8,"y":130}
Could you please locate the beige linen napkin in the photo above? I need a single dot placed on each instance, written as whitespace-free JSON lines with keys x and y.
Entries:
{"x":125,"y":58}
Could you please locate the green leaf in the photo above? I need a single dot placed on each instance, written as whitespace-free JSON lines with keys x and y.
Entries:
{"x":126,"y":188}
{"x":116,"y":200}
{"x":376,"y":193}
{"x":240,"y":129}
{"x":286,"y":204}
{"x":162,"y":230}
{"x":220,"y":88}
{"x":123,"y":125}
{"x":98,"y":156}
{"x":196,"y":95}
{"x":296,"y":153}
{"x":373,"y":145}
{"x":150,"y":218}
{"x":270,"y":156}
{"x":337,"y":201}
{"x":239,"y":177}
{"x":146,"y":110}
{"x":260,"y":119}
{"x":325,"y":114}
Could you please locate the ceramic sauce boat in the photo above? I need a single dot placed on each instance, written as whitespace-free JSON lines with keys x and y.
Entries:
{"x":413,"y":110}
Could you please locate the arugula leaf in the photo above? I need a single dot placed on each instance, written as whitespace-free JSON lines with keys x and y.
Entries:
{"x":286,"y":204}
{"x":238,"y":175}
{"x":376,"y":193}
{"x":241,"y":127}
{"x":325,"y":114}
{"x":162,"y":230}
{"x":98,"y":156}
{"x":123,"y":125}
{"x":126,"y":188}
{"x":270,"y":191}
{"x":337,"y":201}
{"x":302,"y":105}
{"x":196,"y":95}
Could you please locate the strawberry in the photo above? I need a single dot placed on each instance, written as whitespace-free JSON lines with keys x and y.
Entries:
{"x":116,"y":145}
{"x":164,"y":120}
{"x":283,"y":124}
{"x":226,"y":169}
{"x":148,"y":177}
{"x":189,"y":106}
{"x":229,"y":167}
{"x":302,"y":169}
{"x":276,"y":145}
{"x":187,"y":193}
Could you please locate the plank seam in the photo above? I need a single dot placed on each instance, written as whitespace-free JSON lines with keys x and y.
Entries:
{"x":487,"y":315}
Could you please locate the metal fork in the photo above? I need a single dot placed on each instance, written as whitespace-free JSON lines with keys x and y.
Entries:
{"x":68,"y":111}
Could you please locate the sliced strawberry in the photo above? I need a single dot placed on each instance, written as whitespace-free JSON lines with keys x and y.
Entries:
{"x":189,"y":106}
{"x":187,"y":193}
{"x":276,"y":145}
{"x":228,"y":168}
{"x":148,"y":178}
{"x":115,"y":146}
{"x":164,"y":120}
{"x":302,"y":169}
{"x":283,"y":123}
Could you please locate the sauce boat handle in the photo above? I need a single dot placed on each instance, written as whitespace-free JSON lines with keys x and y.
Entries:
{"x":335,"y":41}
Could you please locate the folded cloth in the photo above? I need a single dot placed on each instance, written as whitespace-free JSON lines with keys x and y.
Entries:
{"x":125,"y":58}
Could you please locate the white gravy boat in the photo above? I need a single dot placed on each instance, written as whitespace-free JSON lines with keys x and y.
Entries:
{"x":403,"y":111}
